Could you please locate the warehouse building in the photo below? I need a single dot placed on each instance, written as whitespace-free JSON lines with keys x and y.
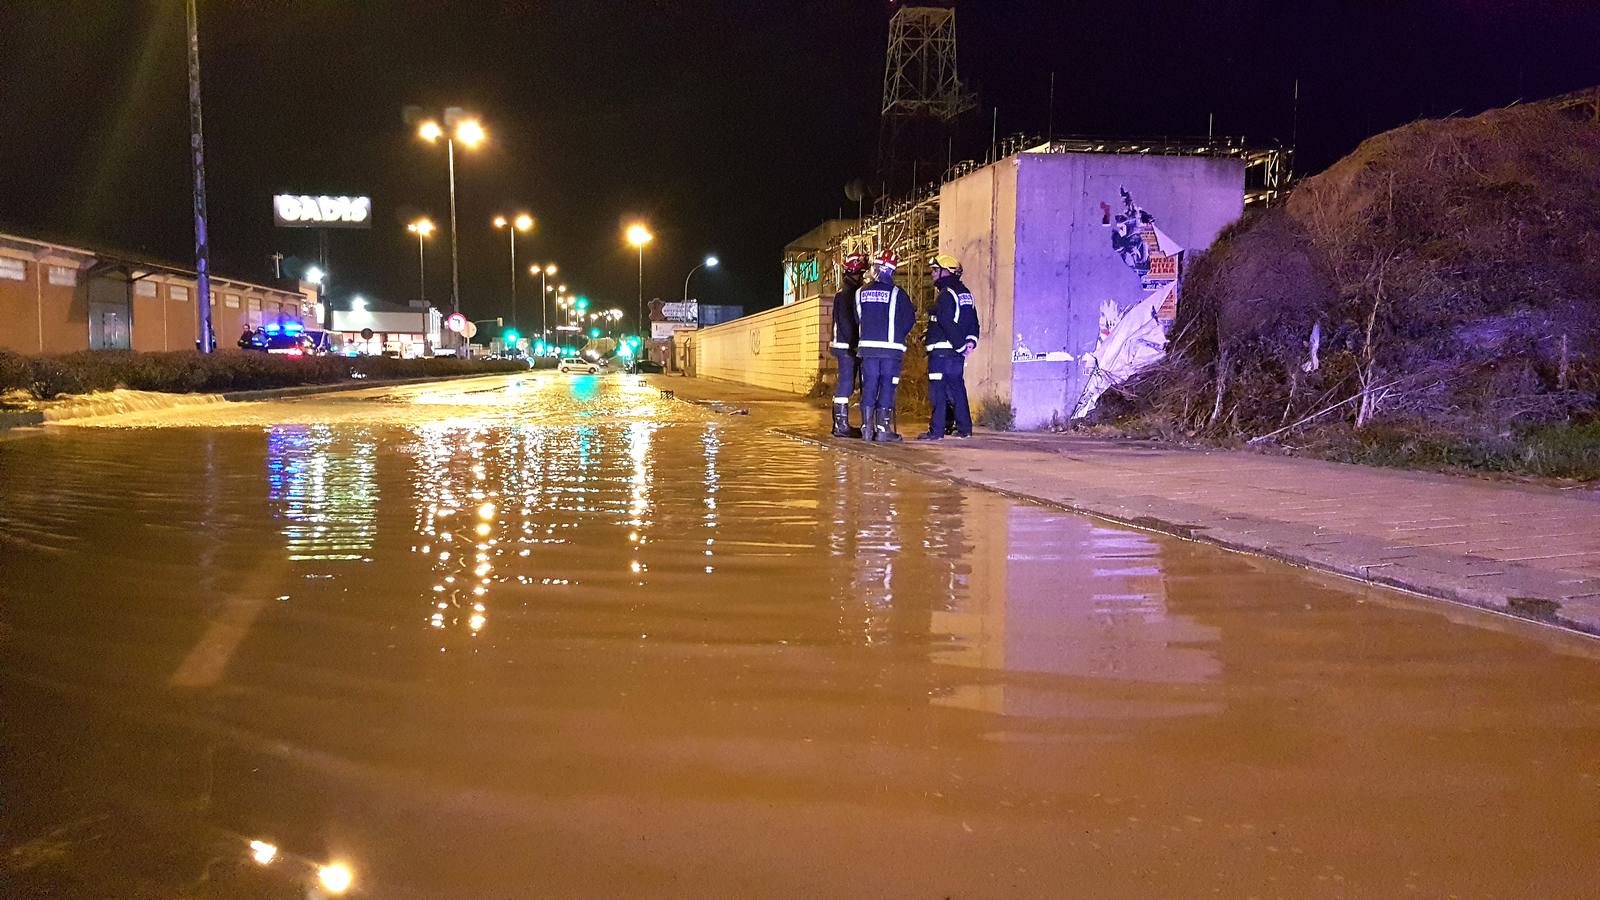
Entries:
{"x":56,"y":298}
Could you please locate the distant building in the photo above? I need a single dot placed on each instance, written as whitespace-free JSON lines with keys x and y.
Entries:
{"x":371,"y":328}
{"x":811,"y":262}
{"x":56,"y":298}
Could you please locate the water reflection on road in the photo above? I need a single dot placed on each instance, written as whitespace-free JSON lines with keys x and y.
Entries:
{"x":544,"y":636}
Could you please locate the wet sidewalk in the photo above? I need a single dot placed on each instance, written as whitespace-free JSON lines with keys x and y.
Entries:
{"x":1526,"y":550}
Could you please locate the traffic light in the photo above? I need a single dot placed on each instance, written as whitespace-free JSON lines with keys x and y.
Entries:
{"x":538,"y":347}
{"x":633,"y":341}
{"x":510,"y":337}
{"x":594,"y":332}
{"x":582,"y":304}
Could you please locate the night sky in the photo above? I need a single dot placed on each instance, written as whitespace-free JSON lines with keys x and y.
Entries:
{"x":730,"y":127}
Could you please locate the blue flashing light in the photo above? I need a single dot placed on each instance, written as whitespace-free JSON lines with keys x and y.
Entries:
{"x":293,"y":327}
{"x":272,"y":328}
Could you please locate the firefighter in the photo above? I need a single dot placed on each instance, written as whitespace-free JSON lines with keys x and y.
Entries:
{"x":952,"y":335}
{"x":885,"y":314}
{"x":846,"y":330}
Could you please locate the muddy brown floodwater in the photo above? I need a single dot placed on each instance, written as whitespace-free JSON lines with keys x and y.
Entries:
{"x":559,"y":637}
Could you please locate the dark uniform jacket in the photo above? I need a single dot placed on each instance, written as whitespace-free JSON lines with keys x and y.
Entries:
{"x":845,"y":327}
{"x":885,"y":314}
{"x":953,"y":323}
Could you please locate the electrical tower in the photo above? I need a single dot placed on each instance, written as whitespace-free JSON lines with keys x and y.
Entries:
{"x":922,"y":96}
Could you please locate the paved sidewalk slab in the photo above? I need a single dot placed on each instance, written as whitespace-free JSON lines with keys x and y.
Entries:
{"x":1526,"y":550}
{"x":1530,"y":551}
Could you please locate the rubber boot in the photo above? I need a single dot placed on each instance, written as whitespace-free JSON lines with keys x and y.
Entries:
{"x":869,"y":421}
{"x":841,"y":420}
{"x":884,"y":425}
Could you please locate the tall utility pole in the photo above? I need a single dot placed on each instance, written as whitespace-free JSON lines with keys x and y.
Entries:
{"x":202,"y":243}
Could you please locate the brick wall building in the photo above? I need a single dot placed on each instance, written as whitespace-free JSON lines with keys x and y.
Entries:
{"x":59,"y":299}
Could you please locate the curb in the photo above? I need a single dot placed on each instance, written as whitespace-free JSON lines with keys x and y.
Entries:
{"x":20,"y":419}
{"x":24,"y":418}
{"x":1456,"y":590}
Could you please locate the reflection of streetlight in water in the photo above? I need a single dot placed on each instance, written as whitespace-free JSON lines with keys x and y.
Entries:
{"x":327,"y":489}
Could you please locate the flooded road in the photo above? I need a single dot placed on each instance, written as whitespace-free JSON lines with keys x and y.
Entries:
{"x":544,"y":636}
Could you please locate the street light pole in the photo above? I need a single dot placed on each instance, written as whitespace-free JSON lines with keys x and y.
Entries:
{"x":710,"y":262}
{"x":455,"y":259}
{"x":544,"y":271}
{"x":422,"y":275}
{"x":471,"y":133}
{"x":421,"y":228}
{"x":638,"y":236}
{"x":202,"y":239}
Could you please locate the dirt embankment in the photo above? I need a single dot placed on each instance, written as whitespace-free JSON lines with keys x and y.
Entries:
{"x":1432,"y":299}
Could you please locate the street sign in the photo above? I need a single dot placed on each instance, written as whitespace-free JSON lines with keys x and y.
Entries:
{"x":469,"y":331}
{"x":456,"y":322}
{"x":686,"y":311}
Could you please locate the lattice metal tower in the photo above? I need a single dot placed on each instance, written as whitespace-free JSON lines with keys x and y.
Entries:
{"x":922,"y":95}
{"x":919,"y":78}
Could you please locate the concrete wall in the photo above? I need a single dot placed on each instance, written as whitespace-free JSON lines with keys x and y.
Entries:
{"x":977,"y":225}
{"x":781,"y":348}
{"x":1029,"y":231}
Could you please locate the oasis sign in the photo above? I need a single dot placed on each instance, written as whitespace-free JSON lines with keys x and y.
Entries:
{"x":308,"y":211}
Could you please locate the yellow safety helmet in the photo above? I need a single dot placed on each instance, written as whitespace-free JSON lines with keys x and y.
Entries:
{"x":945,"y":261}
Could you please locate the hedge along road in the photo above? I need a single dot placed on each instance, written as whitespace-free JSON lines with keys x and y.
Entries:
{"x":473,"y":637}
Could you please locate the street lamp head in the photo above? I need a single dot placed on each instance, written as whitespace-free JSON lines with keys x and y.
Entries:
{"x":358,"y":303}
{"x":711,"y":262}
{"x":499,"y":221}
{"x":470,"y":132}
{"x":638,"y":235}
{"x":430,"y":131}
{"x":421,"y":226}
{"x":524,"y":222}
{"x":562,"y":288}
{"x":315,"y":275}
{"x":550,"y":269}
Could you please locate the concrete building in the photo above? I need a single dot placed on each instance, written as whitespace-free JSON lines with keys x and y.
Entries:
{"x":1066,"y":247}
{"x":56,"y":298}
{"x":1059,"y":247}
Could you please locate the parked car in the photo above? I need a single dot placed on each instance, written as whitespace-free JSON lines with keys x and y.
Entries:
{"x":574,"y":364}
{"x":647,"y":367}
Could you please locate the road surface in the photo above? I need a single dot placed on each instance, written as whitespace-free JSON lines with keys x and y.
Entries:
{"x":559,"y":636}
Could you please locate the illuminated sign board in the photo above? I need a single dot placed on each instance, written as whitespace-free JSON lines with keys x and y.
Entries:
{"x":307,"y":211}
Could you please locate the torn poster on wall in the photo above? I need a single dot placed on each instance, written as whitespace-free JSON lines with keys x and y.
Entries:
{"x":1134,"y":338}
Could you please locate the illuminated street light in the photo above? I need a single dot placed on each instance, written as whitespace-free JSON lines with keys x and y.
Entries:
{"x":315,"y":275}
{"x":638,"y":236}
{"x":523,"y":222}
{"x":544,"y":272}
{"x":710,"y":262}
{"x":422,"y":228}
{"x":470,"y":133}
{"x":335,"y":878}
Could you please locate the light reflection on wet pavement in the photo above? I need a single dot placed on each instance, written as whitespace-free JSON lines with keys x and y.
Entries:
{"x":544,"y":636}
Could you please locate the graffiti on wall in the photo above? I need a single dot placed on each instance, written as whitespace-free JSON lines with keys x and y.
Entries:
{"x":1128,"y":340}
